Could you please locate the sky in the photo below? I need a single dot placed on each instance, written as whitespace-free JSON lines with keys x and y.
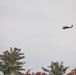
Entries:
{"x":35,"y":26}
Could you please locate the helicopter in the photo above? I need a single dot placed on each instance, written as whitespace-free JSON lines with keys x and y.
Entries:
{"x":67,"y":27}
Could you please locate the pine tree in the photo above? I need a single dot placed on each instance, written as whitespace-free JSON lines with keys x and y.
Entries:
{"x":9,"y":62}
{"x":56,"y":68}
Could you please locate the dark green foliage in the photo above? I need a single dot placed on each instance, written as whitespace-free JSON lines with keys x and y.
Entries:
{"x":56,"y":68}
{"x":9,"y":62}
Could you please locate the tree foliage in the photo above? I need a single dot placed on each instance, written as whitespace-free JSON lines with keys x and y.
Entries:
{"x":56,"y":68}
{"x":9,"y":62}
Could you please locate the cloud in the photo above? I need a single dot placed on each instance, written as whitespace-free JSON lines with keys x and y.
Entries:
{"x":36,"y":28}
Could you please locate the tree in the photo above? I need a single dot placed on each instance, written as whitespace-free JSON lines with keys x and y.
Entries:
{"x":9,"y":62}
{"x":56,"y":68}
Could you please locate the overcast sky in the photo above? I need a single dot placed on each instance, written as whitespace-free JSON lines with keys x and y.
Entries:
{"x":35,"y":26}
